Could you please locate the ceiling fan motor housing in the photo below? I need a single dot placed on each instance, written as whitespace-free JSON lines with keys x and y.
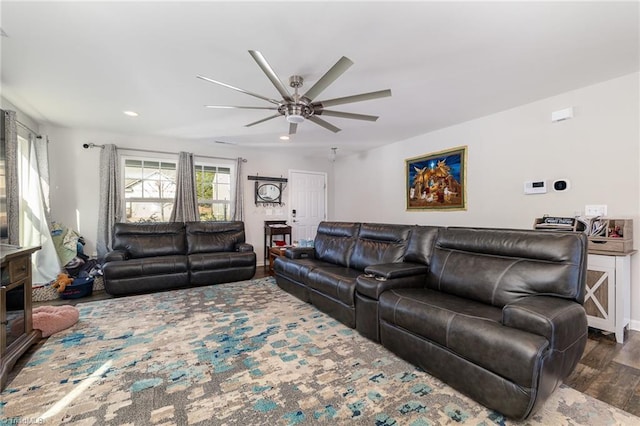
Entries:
{"x":295,"y":112}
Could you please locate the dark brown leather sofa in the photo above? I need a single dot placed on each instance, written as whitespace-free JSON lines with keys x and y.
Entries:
{"x":149,"y":257}
{"x":495,"y":313}
{"x":326,"y":274}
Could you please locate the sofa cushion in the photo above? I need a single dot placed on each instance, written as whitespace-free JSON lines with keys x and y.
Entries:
{"x":210,"y":237}
{"x":143,"y":267}
{"x":498,"y":267}
{"x":141,"y":240}
{"x":213,"y":261}
{"x":428,"y":312}
{"x":420,"y":244}
{"x":336,"y":282}
{"x":296,"y":269}
{"x":335,"y":241}
{"x":470,"y":329}
{"x":379,"y":243}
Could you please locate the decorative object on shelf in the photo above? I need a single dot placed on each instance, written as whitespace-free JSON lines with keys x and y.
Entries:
{"x":554,"y":223}
{"x":268,"y":190}
{"x":437,"y":181}
{"x":613,"y":236}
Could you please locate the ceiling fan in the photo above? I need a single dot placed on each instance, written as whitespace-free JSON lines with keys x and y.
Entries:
{"x":297,"y":108}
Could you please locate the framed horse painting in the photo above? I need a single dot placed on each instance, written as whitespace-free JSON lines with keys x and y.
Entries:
{"x":437,"y":181}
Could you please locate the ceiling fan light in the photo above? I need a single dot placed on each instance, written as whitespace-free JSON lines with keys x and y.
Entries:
{"x":295,"y":118}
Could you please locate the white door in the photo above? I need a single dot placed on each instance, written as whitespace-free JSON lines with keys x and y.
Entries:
{"x":307,"y":203}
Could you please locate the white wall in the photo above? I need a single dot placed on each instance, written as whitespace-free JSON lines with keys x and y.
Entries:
{"x":75,"y":176}
{"x":598,"y":151}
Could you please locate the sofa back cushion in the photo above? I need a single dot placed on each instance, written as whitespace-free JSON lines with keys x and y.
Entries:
{"x":421,"y":243}
{"x":335,"y":241}
{"x":379,"y":243}
{"x":149,"y":239}
{"x":498,"y":266}
{"x":211,"y":237}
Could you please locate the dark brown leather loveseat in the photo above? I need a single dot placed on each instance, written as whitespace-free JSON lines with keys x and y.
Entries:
{"x":495,"y":313}
{"x":150,"y":257}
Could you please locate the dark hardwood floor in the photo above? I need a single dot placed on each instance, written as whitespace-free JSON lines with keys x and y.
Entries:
{"x":608,"y":371}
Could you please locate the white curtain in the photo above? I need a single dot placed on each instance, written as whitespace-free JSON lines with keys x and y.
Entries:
{"x":185,"y":205}
{"x":110,"y":205}
{"x":34,"y":224}
{"x":238,"y":202}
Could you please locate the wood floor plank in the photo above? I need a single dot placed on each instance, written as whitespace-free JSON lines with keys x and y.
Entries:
{"x":633,"y":405}
{"x":615,"y":385}
{"x":582,"y":377}
{"x":629,"y":354}
{"x":601,"y":355}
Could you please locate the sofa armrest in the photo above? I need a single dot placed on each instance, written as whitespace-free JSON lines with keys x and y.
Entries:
{"x":389,"y":271}
{"x":388,"y":276}
{"x":300,"y":253}
{"x":561,"y":321}
{"x":116,"y":255}
{"x":244,"y":248}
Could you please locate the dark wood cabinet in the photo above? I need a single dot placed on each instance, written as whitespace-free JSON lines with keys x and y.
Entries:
{"x":16,"y":333}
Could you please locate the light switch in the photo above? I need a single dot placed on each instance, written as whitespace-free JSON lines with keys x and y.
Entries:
{"x":595,"y":210}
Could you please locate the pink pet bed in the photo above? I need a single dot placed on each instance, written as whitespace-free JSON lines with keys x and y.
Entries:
{"x":52,"y":319}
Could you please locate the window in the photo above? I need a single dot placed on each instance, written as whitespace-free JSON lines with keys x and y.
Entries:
{"x":213,"y":187}
{"x":150,"y":189}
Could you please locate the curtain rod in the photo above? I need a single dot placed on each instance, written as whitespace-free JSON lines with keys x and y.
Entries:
{"x":93,"y":145}
{"x":24,"y":126}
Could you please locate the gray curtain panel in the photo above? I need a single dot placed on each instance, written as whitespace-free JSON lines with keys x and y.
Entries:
{"x":238,"y":202}
{"x":185,"y":205}
{"x":110,"y":203}
{"x":12,"y":182}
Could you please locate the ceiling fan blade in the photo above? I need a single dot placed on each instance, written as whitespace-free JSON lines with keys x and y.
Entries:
{"x":293,"y":127}
{"x":326,"y":125}
{"x":238,"y":107}
{"x":263,"y":120}
{"x":354,"y":98}
{"x":266,"y":68}
{"x":273,"y":101}
{"x":347,"y":115}
{"x":329,"y":77}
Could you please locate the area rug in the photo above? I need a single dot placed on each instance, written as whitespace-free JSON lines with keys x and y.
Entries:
{"x":241,"y":353}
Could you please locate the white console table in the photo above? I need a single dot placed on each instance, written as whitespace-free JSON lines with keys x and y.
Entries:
{"x":608,"y":292}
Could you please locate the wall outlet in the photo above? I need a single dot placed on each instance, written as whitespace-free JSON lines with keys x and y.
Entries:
{"x":595,"y":210}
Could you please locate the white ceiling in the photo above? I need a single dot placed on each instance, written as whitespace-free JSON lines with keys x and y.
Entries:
{"x":80,"y":64}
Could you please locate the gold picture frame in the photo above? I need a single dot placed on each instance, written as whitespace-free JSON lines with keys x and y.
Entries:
{"x":437,"y":181}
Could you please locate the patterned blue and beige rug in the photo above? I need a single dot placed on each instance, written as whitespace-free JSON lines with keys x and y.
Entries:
{"x":241,"y":353}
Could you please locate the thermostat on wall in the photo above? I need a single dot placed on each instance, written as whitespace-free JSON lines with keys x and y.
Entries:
{"x":535,"y":187}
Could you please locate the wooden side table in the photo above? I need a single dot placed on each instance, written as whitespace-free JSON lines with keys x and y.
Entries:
{"x":275,"y":227}
{"x":273,"y":253}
